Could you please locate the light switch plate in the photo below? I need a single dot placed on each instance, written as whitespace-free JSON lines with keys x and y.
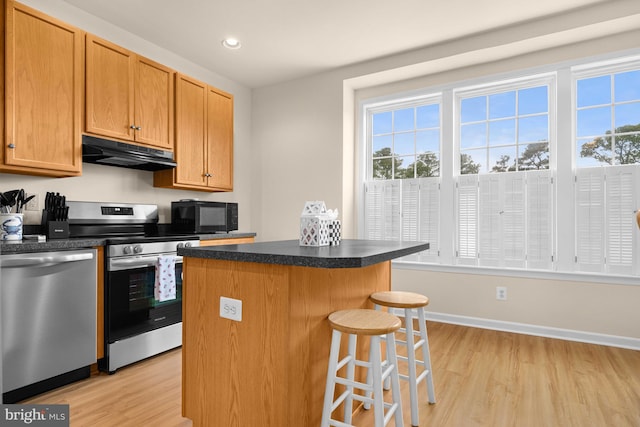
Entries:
{"x":231,"y":309}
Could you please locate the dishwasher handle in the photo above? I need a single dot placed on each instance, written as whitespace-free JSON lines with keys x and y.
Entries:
{"x":45,"y":260}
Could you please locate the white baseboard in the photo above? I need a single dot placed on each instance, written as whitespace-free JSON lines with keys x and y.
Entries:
{"x":541,"y":331}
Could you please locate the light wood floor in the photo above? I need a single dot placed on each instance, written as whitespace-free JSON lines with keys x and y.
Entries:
{"x":482,"y":378}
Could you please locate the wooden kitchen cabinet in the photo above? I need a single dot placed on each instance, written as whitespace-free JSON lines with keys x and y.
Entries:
{"x":229,"y":241}
{"x":43,"y":90}
{"x":128,"y":97}
{"x":204,"y":139}
{"x":219,"y":139}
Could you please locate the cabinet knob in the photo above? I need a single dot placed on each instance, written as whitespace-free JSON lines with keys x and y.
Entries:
{"x":12,"y":145}
{"x":207,"y":175}
{"x":132,"y":127}
{"x":138,"y":128}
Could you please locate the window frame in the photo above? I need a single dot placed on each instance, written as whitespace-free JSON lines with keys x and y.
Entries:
{"x":562,"y":152}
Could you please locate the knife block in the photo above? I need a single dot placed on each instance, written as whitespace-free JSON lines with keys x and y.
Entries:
{"x":54,"y":229}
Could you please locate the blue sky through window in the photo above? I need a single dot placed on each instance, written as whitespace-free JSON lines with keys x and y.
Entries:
{"x":406,"y":142}
{"x":495,"y":129}
{"x":608,"y":119}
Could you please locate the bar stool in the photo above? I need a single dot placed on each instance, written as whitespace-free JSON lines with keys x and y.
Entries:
{"x":411,"y":303}
{"x":369,"y":323}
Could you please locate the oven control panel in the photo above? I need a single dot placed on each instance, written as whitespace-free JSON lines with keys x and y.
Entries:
{"x":133,"y":249}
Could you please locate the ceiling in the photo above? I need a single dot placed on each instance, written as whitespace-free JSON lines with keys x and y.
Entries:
{"x":287,"y":39}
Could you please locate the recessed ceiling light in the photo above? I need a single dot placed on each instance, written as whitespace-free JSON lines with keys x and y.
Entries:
{"x":231,"y":43}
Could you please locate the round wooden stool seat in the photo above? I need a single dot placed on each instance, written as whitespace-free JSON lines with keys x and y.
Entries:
{"x":399,"y":299}
{"x":364,"y":322}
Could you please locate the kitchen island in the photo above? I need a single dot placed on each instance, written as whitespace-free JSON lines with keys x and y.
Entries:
{"x":265,"y":363}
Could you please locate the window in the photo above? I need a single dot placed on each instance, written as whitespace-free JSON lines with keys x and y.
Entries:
{"x":402,"y":188}
{"x":406,"y":141}
{"x":487,"y":179}
{"x":607,"y":117}
{"x":607,"y":133}
{"x":504,"y":130}
{"x":504,"y":219}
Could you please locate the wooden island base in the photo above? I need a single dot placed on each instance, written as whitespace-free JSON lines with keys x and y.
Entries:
{"x":269,"y":369}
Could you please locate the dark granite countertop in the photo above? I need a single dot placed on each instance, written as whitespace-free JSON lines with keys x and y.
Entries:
{"x":26,"y":246}
{"x":349,"y":254}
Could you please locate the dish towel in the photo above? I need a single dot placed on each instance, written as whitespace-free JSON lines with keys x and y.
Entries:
{"x":165,"y":287}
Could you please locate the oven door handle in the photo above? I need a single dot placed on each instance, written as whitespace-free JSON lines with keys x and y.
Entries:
{"x":135,"y":262}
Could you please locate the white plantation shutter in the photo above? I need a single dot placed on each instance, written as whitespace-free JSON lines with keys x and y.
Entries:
{"x":590,"y":225}
{"x":373,"y":221}
{"x":382,"y":216}
{"x":467,"y":224}
{"x":508,"y":209}
{"x":502,"y":223}
{"x":410,"y":209}
{"x":430,"y":218}
{"x":421,"y":216}
{"x":620,"y":204}
{"x":539,"y":219}
{"x":489,"y":209}
{"x":513,"y":236}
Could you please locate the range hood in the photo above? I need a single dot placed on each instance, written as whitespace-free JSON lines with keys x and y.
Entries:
{"x":114,"y":153}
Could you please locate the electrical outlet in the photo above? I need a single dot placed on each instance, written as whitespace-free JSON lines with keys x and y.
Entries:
{"x":231,"y":309}
{"x":501,"y":293}
{"x":33,"y":204}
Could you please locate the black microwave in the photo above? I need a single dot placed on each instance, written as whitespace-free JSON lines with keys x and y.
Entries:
{"x":196,"y":216}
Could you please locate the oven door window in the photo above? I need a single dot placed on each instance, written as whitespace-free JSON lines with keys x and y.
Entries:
{"x":132,"y":308}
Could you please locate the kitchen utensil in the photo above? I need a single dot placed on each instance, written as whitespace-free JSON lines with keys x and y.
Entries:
{"x":27,"y":200}
{"x":20,"y":200}
{"x":10,"y":199}
{"x":4,"y":203}
{"x":55,"y":206}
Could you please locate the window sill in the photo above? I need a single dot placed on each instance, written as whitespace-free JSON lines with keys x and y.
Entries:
{"x":608,"y":279}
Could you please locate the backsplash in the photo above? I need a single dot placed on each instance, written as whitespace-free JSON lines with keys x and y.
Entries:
{"x":100,"y":183}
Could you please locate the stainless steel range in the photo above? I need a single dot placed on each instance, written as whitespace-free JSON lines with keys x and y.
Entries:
{"x":143,"y":279}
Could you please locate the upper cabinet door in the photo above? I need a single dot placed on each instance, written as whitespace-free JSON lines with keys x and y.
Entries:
{"x":153,"y":104}
{"x":203,"y":141}
{"x":191,"y":132}
{"x":220,"y":139}
{"x":110,"y":96}
{"x":43,"y":88}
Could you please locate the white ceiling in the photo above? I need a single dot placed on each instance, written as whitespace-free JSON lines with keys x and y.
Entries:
{"x":286,"y":39}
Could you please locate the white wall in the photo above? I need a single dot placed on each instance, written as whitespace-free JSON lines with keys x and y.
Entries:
{"x":305,"y":134}
{"x":296,"y":141}
{"x":108,"y":183}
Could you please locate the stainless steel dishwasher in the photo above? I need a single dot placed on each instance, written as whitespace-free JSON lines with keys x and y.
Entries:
{"x":48,"y":312}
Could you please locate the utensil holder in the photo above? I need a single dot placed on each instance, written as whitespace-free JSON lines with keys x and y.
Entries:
{"x":54,"y":229}
{"x":11,"y":226}
{"x":57,"y":230}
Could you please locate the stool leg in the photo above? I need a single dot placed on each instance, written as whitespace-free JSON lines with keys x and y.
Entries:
{"x":426,"y":355}
{"x":367,"y":405}
{"x":411,"y":359}
{"x":386,"y":384}
{"x":331,"y":378}
{"x":392,"y":357}
{"x":351,"y":369}
{"x":376,"y":368}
